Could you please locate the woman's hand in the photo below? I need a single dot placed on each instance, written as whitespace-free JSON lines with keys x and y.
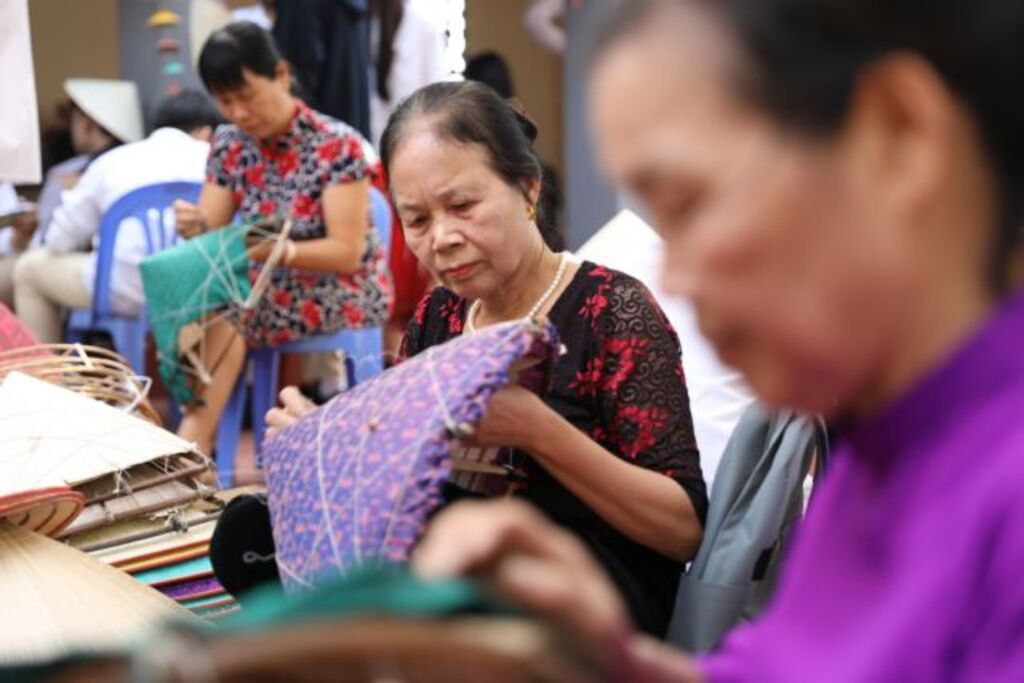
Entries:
{"x":293,"y":406}
{"x":510,"y":420}
{"x":261,"y":250}
{"x":530,"y":561}
{"x":25,"y":226}
{"x":189,"y":219}
{"x":515,"y":550}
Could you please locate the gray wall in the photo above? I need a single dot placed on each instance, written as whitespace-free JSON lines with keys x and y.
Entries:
{"x":590,"y":202}
{"x":142,"y":62}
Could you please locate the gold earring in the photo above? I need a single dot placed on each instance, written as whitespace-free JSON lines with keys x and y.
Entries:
{"x":531,"y":213}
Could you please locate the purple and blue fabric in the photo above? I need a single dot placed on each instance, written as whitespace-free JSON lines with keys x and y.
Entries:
{"x":353,"y":482}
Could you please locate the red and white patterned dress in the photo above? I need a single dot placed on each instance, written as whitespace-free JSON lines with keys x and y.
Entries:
{"x":287,"y":175}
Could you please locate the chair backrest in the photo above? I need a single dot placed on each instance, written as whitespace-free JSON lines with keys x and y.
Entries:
{"x":380,"y":211}
{"x":150,"y":206}
{"x":756,"y":500}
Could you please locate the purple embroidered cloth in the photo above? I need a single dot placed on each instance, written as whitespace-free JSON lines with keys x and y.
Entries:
{"x":192,"y":589}
{"x":352,"y":482}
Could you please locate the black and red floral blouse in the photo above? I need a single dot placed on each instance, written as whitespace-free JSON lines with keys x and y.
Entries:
{"x":621,"y":381}
{"x":287,"y":175}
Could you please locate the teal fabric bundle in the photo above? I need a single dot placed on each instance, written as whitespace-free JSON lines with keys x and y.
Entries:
{"x":366,"y":592}
{"x":185,"y":284}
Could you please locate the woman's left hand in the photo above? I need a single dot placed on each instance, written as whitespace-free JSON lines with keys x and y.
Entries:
{"x":293,"y":406}
{"x":261,"y":250}
{"x":510,"y":420}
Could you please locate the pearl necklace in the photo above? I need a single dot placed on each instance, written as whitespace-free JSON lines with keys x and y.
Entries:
{"x":535,"y":309}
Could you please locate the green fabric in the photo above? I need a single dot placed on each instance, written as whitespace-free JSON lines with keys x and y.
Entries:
{"x":187,"y":282}
{"x":370,"y":591}
{"x":40,"y":673}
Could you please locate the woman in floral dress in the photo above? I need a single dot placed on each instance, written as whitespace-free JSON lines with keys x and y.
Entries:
{"x":277,"y":156}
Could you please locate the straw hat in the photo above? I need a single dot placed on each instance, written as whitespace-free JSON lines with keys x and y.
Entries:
{"x":57,"y":600}
{"x":115,"y":105}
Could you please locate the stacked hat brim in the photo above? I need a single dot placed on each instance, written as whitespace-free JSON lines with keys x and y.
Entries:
{"x":46,"y":511}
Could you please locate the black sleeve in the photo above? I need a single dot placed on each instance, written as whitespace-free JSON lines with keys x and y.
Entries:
{"x":437,"y":318}
{"x":642,"y":398}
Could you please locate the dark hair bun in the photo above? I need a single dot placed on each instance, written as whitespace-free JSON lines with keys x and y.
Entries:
{"x":525,"y":122}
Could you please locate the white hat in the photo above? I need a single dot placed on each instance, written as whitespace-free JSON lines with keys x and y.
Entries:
{"x":115,"y":105}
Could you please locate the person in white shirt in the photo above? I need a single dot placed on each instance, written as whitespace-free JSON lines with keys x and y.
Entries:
{"x":16,"y":228}
{"x":103,"y":114}
{"x":407,"y":42}
{"x":61,"y":274}
{"x":718,"y":394}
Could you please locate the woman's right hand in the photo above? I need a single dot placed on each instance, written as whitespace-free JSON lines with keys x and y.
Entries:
{"x":293,"y":406}
{"x":25,"y":226}
{"x":189,"y":219}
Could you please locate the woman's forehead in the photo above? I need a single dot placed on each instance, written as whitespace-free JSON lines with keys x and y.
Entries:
{"x":422,"y":143}
{"x":415,"y":183}
{"x":423,"y":155}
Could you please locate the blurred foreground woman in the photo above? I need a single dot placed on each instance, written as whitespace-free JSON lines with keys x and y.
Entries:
{"x":839,"y":185}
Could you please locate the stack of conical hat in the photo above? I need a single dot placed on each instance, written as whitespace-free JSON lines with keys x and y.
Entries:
{"x":121,"y":465}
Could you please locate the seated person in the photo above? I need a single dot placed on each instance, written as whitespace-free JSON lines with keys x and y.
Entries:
{"x":102,"y":115}
{"x":276,"y":156}
{"x":60,"y":275}
{"x":17,"y":225}
{"x":608,"y":451}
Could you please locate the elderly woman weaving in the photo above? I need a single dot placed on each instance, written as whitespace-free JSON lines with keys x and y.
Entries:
{"x":279,"y":157}
{"x":608,"y":451}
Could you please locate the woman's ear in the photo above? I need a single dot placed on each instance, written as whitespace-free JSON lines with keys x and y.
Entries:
{"x":283,"y":73}
{"x":900,"y":134}
{"x":531,"y":188}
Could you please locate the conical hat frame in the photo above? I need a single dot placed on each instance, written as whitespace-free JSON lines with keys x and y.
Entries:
{"x":90,"y":370}
{"x":95,"y":443}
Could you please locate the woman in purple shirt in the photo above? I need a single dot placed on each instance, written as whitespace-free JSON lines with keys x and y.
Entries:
{"x":839,"y":184}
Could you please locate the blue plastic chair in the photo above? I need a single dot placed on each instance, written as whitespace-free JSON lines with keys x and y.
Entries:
{"x":147,"y":205}
{"x":364,"y":358}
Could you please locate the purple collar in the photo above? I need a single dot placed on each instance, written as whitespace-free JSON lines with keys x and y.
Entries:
{"x":989,"y":359}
